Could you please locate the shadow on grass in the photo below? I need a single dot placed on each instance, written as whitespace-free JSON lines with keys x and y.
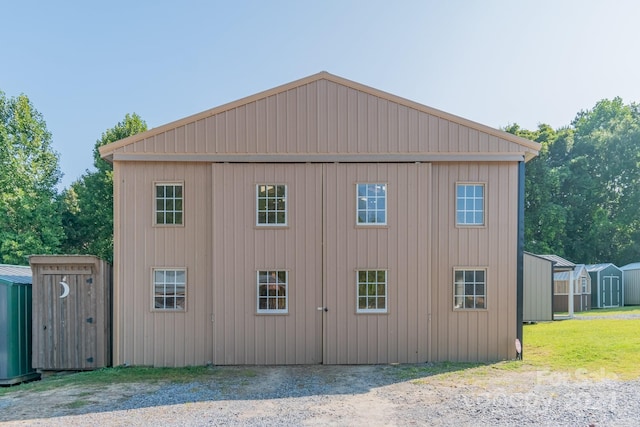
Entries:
{"x":162,"y":386}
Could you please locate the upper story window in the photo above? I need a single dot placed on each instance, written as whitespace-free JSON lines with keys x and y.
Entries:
{"x":273,"y":291}
{"x":168,"y":204}
{"x":372,"y":204}
{"x":169,"y":289}
{"x":470,"y":204}
{"x":469,"y":289}
{"x":372,"y":291}
{"x":271,"y":204}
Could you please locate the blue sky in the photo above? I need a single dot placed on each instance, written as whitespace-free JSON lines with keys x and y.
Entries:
{"x":84,"y":65}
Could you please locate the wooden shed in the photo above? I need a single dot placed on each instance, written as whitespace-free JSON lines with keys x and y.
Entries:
{"x":631,"y":283}
{"x":606,"y":285}
{"x":322,"y":221}
{"x":572,"y":290}
{"x":71,"y":312}
{"x":538,"y":288}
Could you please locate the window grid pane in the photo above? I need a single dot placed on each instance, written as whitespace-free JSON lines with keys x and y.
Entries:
{"x":169,"y":204}
{"x":169,"y":289}
{"x":372,"y":204}
{"x":271,"y":204}
{"x":469,"y":289}
{"x":372,"y":291}
{"x":273,"y":291}
{"x":470,"y":204}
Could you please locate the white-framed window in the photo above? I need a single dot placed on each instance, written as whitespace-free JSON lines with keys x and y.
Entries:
{"x":371,"y":291}
{"x":470,"y":204}
{"x":271,"y":205}
{"x":273,"y":291}
{"x":371,"y":204}
{"x":561,"y":287}
{"x":470,"y":289}
{"x":169,"y":289}
{"x":169,"y":200}
{"x":585,"y":288}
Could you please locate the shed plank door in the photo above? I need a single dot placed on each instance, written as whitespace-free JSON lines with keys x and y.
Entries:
{"x":243,"y":250}
{"x":69,"y":326}
{"x":367,"y":320}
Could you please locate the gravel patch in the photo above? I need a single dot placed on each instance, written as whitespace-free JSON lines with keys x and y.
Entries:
{"x":340,"y":396}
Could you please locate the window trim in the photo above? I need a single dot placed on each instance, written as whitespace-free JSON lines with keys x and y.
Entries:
{"x":274,"y":311}
{"x":153,"y":290}
{"x":386,"y":289}
{"x":484,"y":204}
{"x":286,"y":206}
{"x":154,"y":210}
{"x":486,"y":281}
{"x":386,"y":206}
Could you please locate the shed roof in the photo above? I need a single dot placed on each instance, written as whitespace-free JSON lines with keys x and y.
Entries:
{"x":560,"y":263}
{"x":144,"y":145}
{"x":632,"y":266}
{"x":573,"y":274}
{"x":600,"y":267}
{"x":15,"y":274}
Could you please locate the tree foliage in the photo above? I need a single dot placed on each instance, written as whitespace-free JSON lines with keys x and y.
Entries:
{"x":583,"y":191}
{"x":30,"y":221}
{"x":88,"y":203}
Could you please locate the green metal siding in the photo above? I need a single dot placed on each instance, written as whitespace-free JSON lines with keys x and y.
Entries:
{"x":15,"y":333}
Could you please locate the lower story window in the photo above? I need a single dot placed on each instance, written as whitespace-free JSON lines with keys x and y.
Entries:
{"x":169,"y":289}
{"x":469,"y":289}
{"x":372,"y":291}
{"x":273,"y":291}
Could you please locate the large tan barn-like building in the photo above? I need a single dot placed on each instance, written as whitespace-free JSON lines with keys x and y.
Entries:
{"x":322,"y":221}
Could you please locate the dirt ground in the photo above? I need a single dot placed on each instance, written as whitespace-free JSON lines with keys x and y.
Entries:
{"x":328,"y":395}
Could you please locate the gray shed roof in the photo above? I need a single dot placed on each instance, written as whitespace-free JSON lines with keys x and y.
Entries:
{"x":15,"y":274}
{"x":600,"y":267}
{"x":632,"y":266}
{"x":560,"y":263}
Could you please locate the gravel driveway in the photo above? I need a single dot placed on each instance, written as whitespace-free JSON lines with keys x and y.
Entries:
{"x":340,"y":396}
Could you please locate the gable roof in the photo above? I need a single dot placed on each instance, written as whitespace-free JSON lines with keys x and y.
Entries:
{"x":146,"y":146}
{"x":600,"y":267}
{"x":15,"y":274}
{"x":573,"y":274}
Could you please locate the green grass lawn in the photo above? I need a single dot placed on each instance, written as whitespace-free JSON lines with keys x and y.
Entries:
{"x":600,"y":348}
{"x":632,"y":309}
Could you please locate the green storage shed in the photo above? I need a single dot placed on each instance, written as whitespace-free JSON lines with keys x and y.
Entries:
{"x":15,"y":325}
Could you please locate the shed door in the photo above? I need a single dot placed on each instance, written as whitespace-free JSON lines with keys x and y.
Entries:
{"x":285,"y":329}
{"x":322,"y":252}
{"x":375,"y":285}
{"x":68,"y":333}
{"x":610,"y":291}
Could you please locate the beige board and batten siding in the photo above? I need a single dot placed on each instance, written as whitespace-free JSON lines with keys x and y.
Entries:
{"x":142,"y":335}
{"x":538,"y":288}
{"x":241,"y":249}
{"x":320,"y":136}
{"x":315,"y":119}
{"x":483,"y":334}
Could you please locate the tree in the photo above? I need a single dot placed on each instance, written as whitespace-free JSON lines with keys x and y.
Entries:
{"x":545,"y":215}
{"x":30,"y":221}
{"x":88,"y":203}
{"x":583,"y":190}
{"x":603,"y":183}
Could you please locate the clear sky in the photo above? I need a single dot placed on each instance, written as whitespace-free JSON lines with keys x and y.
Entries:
{"x":86,"y":64}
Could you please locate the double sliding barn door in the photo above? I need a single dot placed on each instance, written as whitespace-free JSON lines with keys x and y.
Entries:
{"x":322,"y":249}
